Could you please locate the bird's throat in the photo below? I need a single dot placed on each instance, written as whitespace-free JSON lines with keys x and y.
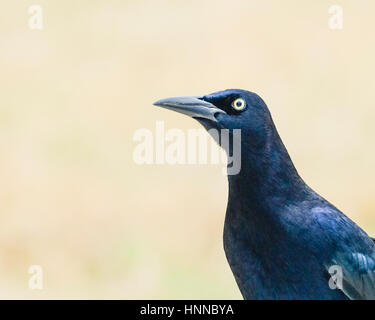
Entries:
{"x":267,"y":177}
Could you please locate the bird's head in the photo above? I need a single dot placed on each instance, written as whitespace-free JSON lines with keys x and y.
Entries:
{"x":228,"y":109}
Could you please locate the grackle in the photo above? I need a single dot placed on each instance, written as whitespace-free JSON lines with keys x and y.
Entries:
{"x":282,"y":240}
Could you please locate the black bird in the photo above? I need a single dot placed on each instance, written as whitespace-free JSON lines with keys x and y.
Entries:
{"x":281,"y":238}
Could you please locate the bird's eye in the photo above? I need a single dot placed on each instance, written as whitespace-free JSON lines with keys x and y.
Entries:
{"x":239,"y":104}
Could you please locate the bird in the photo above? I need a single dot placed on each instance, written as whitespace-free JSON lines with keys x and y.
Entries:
{"x":281,"y":238}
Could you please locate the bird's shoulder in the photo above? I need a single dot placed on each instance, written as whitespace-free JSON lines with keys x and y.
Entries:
{"x":320,"y":224}
{"x":346,"y":233}
{"x":338,"y":242}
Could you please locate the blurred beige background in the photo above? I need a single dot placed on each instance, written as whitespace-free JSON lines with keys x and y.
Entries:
{"x":71,"y":198}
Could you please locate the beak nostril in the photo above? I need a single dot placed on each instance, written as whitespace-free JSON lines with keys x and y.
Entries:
{"x":193,"y":106}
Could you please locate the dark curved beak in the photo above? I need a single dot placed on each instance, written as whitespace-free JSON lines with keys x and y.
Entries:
{"x":192,"y":106}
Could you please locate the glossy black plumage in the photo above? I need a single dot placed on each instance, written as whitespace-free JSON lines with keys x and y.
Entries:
{"x":280,"y":237}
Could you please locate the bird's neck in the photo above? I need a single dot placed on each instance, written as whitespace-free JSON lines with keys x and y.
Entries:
{"x":267,"y":183}
{"x":268,"y":177}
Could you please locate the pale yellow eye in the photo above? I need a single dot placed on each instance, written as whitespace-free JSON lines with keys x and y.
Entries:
{"x":239,"y":104}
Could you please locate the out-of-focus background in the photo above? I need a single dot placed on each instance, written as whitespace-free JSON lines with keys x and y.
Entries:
{"x":73,"y":201}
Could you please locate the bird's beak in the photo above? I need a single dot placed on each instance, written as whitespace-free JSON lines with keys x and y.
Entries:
{"x":194,"y":107}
